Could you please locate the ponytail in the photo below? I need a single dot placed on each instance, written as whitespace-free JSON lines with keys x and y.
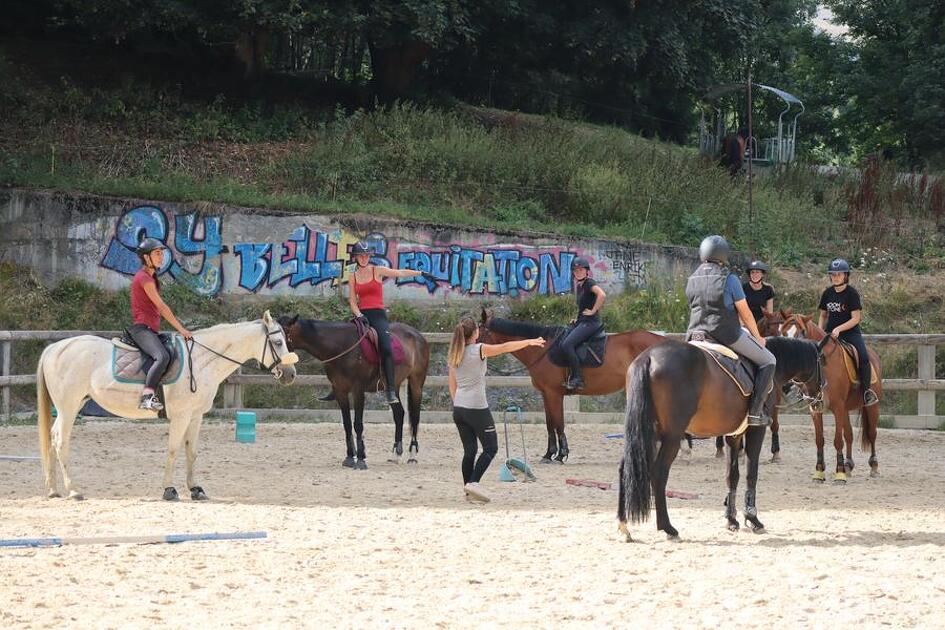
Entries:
{"x":461,"y":335}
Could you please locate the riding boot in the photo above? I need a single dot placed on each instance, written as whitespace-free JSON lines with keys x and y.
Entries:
{"x":390,"y":394}
{"x":329,"y":396}
{"x":758,"y":410}
{"x":575,"y":379}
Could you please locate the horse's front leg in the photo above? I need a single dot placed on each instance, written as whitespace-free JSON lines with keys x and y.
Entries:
{"x":175,"y":436}
{"x":61,"y":437}
{"x":842,"y":421}
{"x":731,"y":477}
{"x":190,"y":444}
{"x":345,"y":405}
{"x":397,"y":451}
{"x":818,"y":418}
{"x":775,"y":437}
{"x":754,"y":440}
{"x":360,"y":464}
{"x":554,"y":408}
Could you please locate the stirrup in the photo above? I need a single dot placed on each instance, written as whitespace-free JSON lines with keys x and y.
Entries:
{"x":149,"y":402}
{"x":870,"y":398}
{"x":759,"y":421}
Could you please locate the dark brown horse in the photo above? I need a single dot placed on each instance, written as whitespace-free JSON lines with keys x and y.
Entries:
{"x":841,"y":397}
{"x":770,"y":326}
{"x":547,"y":377}
{"x":674,"y":388}
{"x":337,"y":345}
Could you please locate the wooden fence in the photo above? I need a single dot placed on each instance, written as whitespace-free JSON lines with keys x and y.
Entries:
{"x":926,"y":385}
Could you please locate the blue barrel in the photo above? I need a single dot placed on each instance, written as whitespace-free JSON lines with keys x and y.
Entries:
{"x":246,"y":426}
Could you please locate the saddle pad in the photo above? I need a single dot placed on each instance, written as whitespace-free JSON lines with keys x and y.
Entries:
{"x":369,"y":349}
{"x":127,"y":362}
{"x":850,"y":361}
{"x":715,"y":347}
{"x":590,"y":353}
{"x":741,"y":428}
{"x":741,"y":372}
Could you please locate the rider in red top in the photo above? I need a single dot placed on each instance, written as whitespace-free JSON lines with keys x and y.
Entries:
{"x":147,"y":308}
{"x":366,"y":299}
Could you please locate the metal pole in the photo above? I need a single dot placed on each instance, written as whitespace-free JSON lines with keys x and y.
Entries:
{"x":751,"y":208}
{"x":5,"y":371}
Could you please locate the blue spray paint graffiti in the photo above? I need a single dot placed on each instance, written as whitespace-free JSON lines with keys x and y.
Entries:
{"x":490,"y":272}
{"x":150,"y":221}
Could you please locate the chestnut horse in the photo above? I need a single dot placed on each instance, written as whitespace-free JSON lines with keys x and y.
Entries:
{"x":674,"y":388}
{"x":622,"y":348}
{"x":841,"y":397}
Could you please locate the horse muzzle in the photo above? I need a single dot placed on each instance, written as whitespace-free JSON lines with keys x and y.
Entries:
{"x":285,"y":374}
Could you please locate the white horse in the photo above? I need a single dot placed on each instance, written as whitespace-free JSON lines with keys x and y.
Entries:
{"x":76,"y":369}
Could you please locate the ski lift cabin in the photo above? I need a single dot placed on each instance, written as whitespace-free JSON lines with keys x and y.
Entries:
{"x":719,"y":116}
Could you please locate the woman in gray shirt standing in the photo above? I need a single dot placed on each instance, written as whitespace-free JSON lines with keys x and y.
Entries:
{"x":467,"y":363}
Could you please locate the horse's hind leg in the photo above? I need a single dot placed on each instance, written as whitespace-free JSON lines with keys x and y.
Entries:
{"x":819,"y":469}
{"x":61,"y":438}
{"x":731,"y":477}
{"x":359,"y":429}
{"x":414,"y":400}
{"x":669,"y":447}
{"x":870,"y":426}
{"x":719,"y":447}
{"x":398,"y":449}
{"x":754,"y":441}
{"x":554,"y":407}
{"x":191,"y":438}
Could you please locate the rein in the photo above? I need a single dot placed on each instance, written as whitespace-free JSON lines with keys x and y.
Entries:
{"x":529,"y":366}
{"x":267,"y":343}
{"x":355,"y":345}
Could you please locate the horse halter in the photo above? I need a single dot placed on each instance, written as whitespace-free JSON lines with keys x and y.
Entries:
{"x":815,"y":402}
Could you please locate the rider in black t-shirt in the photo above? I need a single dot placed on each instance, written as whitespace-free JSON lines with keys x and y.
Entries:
{"x":840,"y":314}
{"x":590,"y":299}
{"x":758,"y":293}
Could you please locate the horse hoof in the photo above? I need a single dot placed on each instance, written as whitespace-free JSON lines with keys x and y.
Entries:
{"x":75,"y":496}
{"x":624,"y":532}
{"x":170,"y":494}
{"x":545,"y":460}
{"x":361,"y":465}
{"x":560,"y":459}
{"x":348,"y":462}
{"x":197,"y":494}
{"x":733,"y":525}
{"x":413,"y":460}
{"x":874,"y":473}
{"x":818,"y":476}
{"x":776,"y":458}
{"x":755,"y":525}
{"x":720,"y":453}
{"x":672,"y":537}
{"x":53,"y":494}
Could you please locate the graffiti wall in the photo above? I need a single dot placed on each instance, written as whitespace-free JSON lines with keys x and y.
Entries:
{"x":249,"y":252}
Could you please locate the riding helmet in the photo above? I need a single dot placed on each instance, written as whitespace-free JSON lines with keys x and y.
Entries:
{"x":757,"y":265}
{"x":580,"y":263}
{"x":148,"y":245}
{"x":838,"y":265}
{"x":361,"y":247}
{"x":714,"y":249}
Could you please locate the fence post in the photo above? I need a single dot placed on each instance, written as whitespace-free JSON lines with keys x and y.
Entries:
{"x":233,"y":393}
{"x":6,"y":372}
{"x":927,"y":398}
{"x":572,"y":408}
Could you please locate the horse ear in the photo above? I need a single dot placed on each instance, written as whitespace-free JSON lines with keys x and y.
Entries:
{"x":294,"y":319}
{"x":267,"y":318}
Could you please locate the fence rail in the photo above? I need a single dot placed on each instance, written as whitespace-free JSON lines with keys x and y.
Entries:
{"x":925,"y":385}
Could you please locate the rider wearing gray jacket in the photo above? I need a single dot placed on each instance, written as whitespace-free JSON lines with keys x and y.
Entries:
{"x":718,"y":309}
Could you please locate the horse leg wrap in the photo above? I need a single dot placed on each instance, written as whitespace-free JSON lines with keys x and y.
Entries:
{"x":730,"y":512}
{"x":750,"y":509}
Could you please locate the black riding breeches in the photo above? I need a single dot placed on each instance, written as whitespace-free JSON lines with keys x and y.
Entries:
{"x":158,"y":358}
{"x":378,"y":319}
{"x":855,"y":339}
{"x":473,"y":425}
{"x":583,"y":330}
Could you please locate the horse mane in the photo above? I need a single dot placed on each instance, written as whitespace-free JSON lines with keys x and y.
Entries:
{"x":795,"y":356}
{"x":525,"y":330}
{"x":219,"y":327}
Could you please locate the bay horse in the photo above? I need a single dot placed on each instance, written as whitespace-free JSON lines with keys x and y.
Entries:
{"x":674,"y":388}
{"x":337,"y":346}
{"x":78,"y":368}
{"x":841,"y":397}
{"x":769,"y":326}
{"x":621,"y":349}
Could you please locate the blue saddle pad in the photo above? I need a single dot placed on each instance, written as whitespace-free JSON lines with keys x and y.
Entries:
{"x":127,"y":364}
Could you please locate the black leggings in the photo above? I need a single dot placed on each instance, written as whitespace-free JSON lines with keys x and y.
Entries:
{"x":584,"y":329}
{"x":855,"y":339}
{"x":473,"y":425}
{"x":378,"y":319}
{"x":151,"y":346}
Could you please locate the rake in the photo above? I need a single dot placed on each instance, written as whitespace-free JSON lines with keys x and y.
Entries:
{"x":514,"y":467}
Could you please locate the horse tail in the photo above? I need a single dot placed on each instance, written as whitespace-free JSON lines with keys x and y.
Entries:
{"x":639,"y":444}
{"x":44,"y":417}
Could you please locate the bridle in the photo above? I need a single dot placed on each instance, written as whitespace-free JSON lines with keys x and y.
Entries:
{"x":268,"y":345}
{"x":815,"y":402}
{"x":484,"y":325}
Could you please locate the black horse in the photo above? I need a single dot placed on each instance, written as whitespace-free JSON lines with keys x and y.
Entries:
{"x":675,"y":387}
{"x":337,"y":345}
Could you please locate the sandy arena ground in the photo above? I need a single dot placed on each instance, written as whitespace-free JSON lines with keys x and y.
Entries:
{"x":396,"y":546}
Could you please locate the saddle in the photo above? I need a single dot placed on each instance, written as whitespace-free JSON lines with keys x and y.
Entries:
{"x":130,"y":365}
{"x":851,"y":360}
{"x":590,"y":352}
{"x":741,"y":372}
{"x":369,"y":347}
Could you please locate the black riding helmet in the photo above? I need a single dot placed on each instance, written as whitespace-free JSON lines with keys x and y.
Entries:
{"x":580,"y":263}
{"x":838,"y":265}
{"x":149,"y":245}
{"x":757,"y":265}
{"x":714,"y":249}
{"x":361,"y":247}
